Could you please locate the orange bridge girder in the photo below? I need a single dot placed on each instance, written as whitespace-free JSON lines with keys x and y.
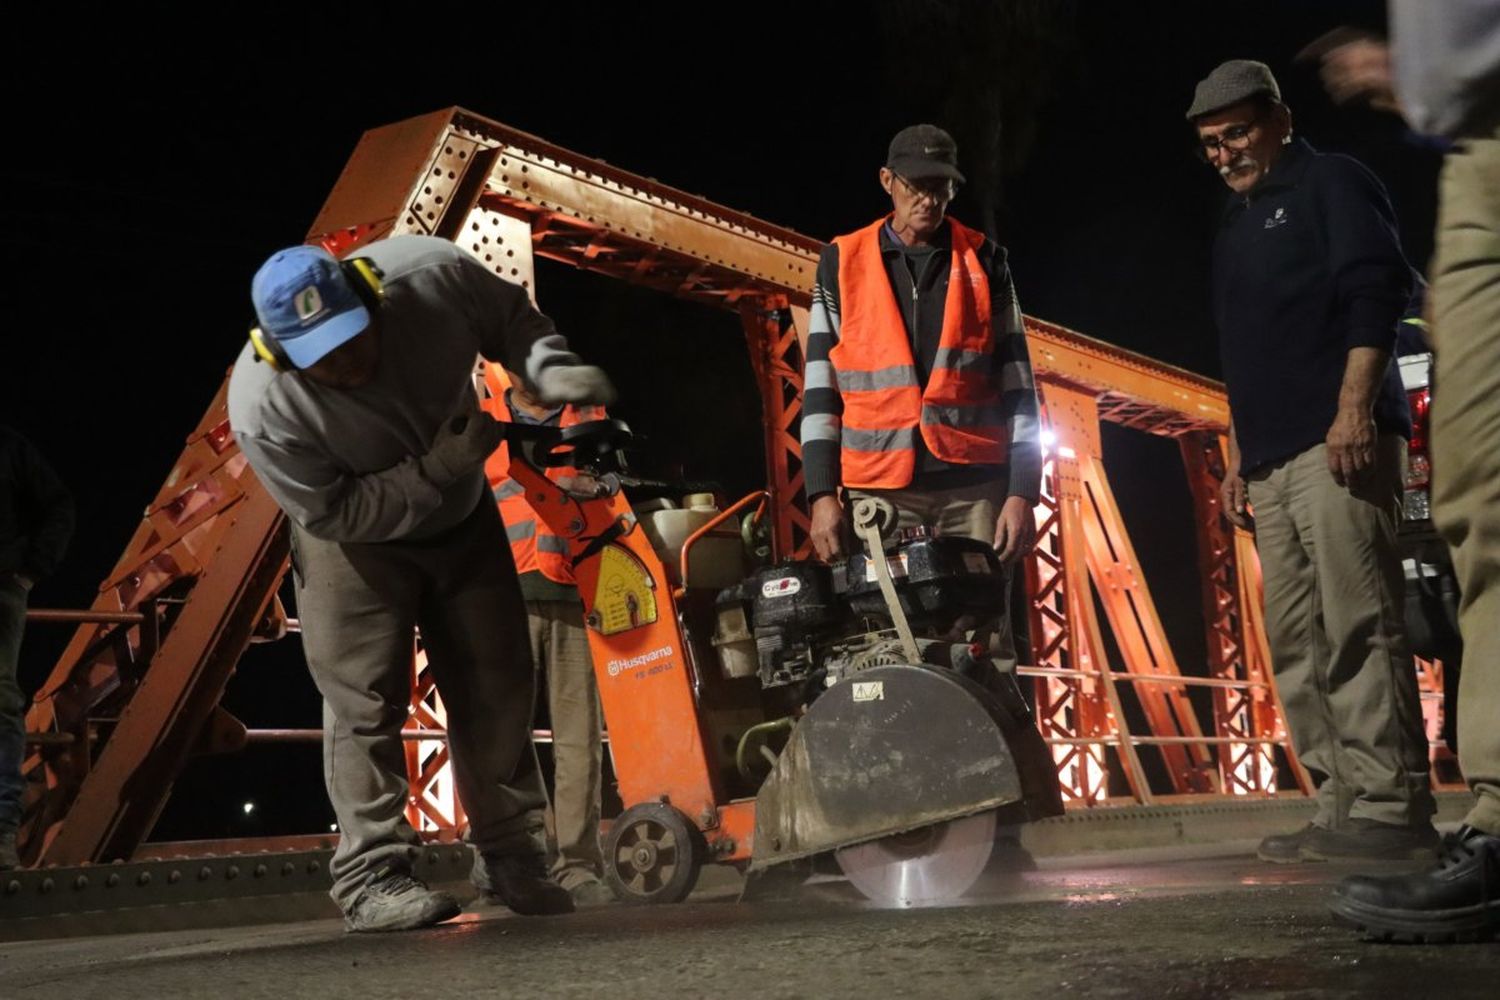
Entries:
{"x":506,"y":196}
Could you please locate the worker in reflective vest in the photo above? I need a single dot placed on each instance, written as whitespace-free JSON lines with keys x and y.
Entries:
{"x":917,"y":386}
{"x":559,"y":644}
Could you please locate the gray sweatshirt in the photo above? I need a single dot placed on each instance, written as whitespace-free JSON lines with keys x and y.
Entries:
{"x":1446,"y":56}
{"x":343,"y":463}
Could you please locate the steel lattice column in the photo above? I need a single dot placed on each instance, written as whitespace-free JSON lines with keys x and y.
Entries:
{"x":432,"y":804}
{"x":1071,"y":713}
{"x":1084,"y":711}
{"x":1246,"y":710}
{"x":776,"y":357}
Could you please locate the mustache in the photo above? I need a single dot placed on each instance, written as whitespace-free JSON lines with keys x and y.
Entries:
{"x":1238,"y":163}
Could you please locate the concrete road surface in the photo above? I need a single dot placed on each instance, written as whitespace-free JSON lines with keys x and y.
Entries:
{"x":1183,"y":924}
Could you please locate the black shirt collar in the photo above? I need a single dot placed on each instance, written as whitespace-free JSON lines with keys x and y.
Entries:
{"x":891,"y":243}
{"x":1290,"y":167}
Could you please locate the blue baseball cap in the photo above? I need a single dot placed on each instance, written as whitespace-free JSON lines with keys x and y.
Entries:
{"x":303,"y":300}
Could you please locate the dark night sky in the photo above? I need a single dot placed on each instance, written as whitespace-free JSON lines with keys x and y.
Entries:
{"x":140,"y":205}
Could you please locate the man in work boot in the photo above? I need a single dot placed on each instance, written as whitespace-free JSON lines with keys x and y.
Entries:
{"x":559,"y":645}
{"x":1447,"y":83}
{"x":917,"y":386}
{"x":1309,"y":283}
{"x":36,"y":521}
{"x":364,"y":425}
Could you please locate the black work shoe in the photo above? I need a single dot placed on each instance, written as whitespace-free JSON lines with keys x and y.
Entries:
{"x":1369,"y":840}
{"x":1286,"y":848}
{"x":395,"y":901}
{"x":1459,"y":900}
{"x":520,"y":882}
{"x":9,"y":857}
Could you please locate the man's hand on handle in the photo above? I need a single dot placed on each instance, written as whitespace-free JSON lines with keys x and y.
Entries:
{"x":462,"y":444}
{"x":578,"y":384}
{"x":828,"y":527}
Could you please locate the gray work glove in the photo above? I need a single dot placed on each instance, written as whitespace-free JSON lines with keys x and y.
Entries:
{"x":462,"y":444}
{"x":584,"y":384}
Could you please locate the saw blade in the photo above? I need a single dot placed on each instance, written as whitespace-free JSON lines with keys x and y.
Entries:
{"x":931,"y":865}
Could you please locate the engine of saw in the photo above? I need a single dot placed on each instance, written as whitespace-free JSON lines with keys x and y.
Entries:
{"x":812,"y":626}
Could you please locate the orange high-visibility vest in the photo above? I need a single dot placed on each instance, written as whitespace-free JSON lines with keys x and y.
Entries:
{"x":958,"y":411}
{"x":532,"y":544}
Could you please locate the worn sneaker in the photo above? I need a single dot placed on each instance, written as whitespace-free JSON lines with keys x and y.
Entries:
{"x":1286,"y":848}
{"x":520,"y":882}
{"x":590,"y":891}
{"x":9,"y":857}
{"x":1369,"y":840}
{"x":395,"y":901}
{"x":1459,"y":900}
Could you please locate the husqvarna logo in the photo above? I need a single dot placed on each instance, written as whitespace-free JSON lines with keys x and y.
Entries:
{"x":618,"y":667}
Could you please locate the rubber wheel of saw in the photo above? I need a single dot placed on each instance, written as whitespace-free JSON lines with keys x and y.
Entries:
{"x":653,"y":854}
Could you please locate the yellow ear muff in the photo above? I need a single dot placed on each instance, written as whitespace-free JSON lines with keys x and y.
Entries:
{"x":369,"y":277}
{"x":268,"y":350}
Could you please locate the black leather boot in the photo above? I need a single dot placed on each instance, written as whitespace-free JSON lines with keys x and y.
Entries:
{"x":1459,"y":900}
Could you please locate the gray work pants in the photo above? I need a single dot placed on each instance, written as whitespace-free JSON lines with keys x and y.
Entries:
{"x":560,"y":647}
{"x":359,"y":605}
{"x":1334,"y":596}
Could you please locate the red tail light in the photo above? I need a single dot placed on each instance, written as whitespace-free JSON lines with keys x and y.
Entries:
{"x":1420,"y":401}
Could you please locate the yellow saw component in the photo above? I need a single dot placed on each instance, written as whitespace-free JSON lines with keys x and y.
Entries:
{"x":624,"y":597}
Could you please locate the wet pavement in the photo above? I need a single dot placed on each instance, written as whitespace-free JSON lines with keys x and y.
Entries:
{"x":1179,"y":924}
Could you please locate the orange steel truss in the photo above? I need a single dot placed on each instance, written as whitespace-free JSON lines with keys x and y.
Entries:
{"x":127,"y":703}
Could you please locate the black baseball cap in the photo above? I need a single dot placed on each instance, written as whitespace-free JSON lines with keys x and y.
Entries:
{"x":923,"y":151}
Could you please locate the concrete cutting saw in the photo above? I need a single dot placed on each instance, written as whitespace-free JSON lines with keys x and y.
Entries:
{"x":766,"y":711}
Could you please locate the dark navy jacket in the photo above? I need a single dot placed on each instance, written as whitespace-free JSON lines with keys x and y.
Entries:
{"x":1305,"y":268}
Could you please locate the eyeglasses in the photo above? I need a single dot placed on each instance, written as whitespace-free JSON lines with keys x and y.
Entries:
{"x":934,"y":191}
{"x":1235,"y":138}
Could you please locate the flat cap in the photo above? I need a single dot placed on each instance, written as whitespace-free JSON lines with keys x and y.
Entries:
{"x":1230,"y":83}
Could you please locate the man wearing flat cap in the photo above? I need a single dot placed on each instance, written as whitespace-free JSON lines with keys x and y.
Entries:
{"x":917,"y":386}
{"x":1309,"y":284}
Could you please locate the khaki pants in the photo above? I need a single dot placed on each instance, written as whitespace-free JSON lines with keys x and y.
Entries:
{"x":1466,"y":447}
{"x":560,"y":647}
{"x":359,"y":605}
{"x":965,"y":511}
{"x":1334,"y":593}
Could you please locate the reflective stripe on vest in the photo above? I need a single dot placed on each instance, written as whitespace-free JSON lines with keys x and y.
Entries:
{"x":532,"y":544}
{"x":959,"y":411}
